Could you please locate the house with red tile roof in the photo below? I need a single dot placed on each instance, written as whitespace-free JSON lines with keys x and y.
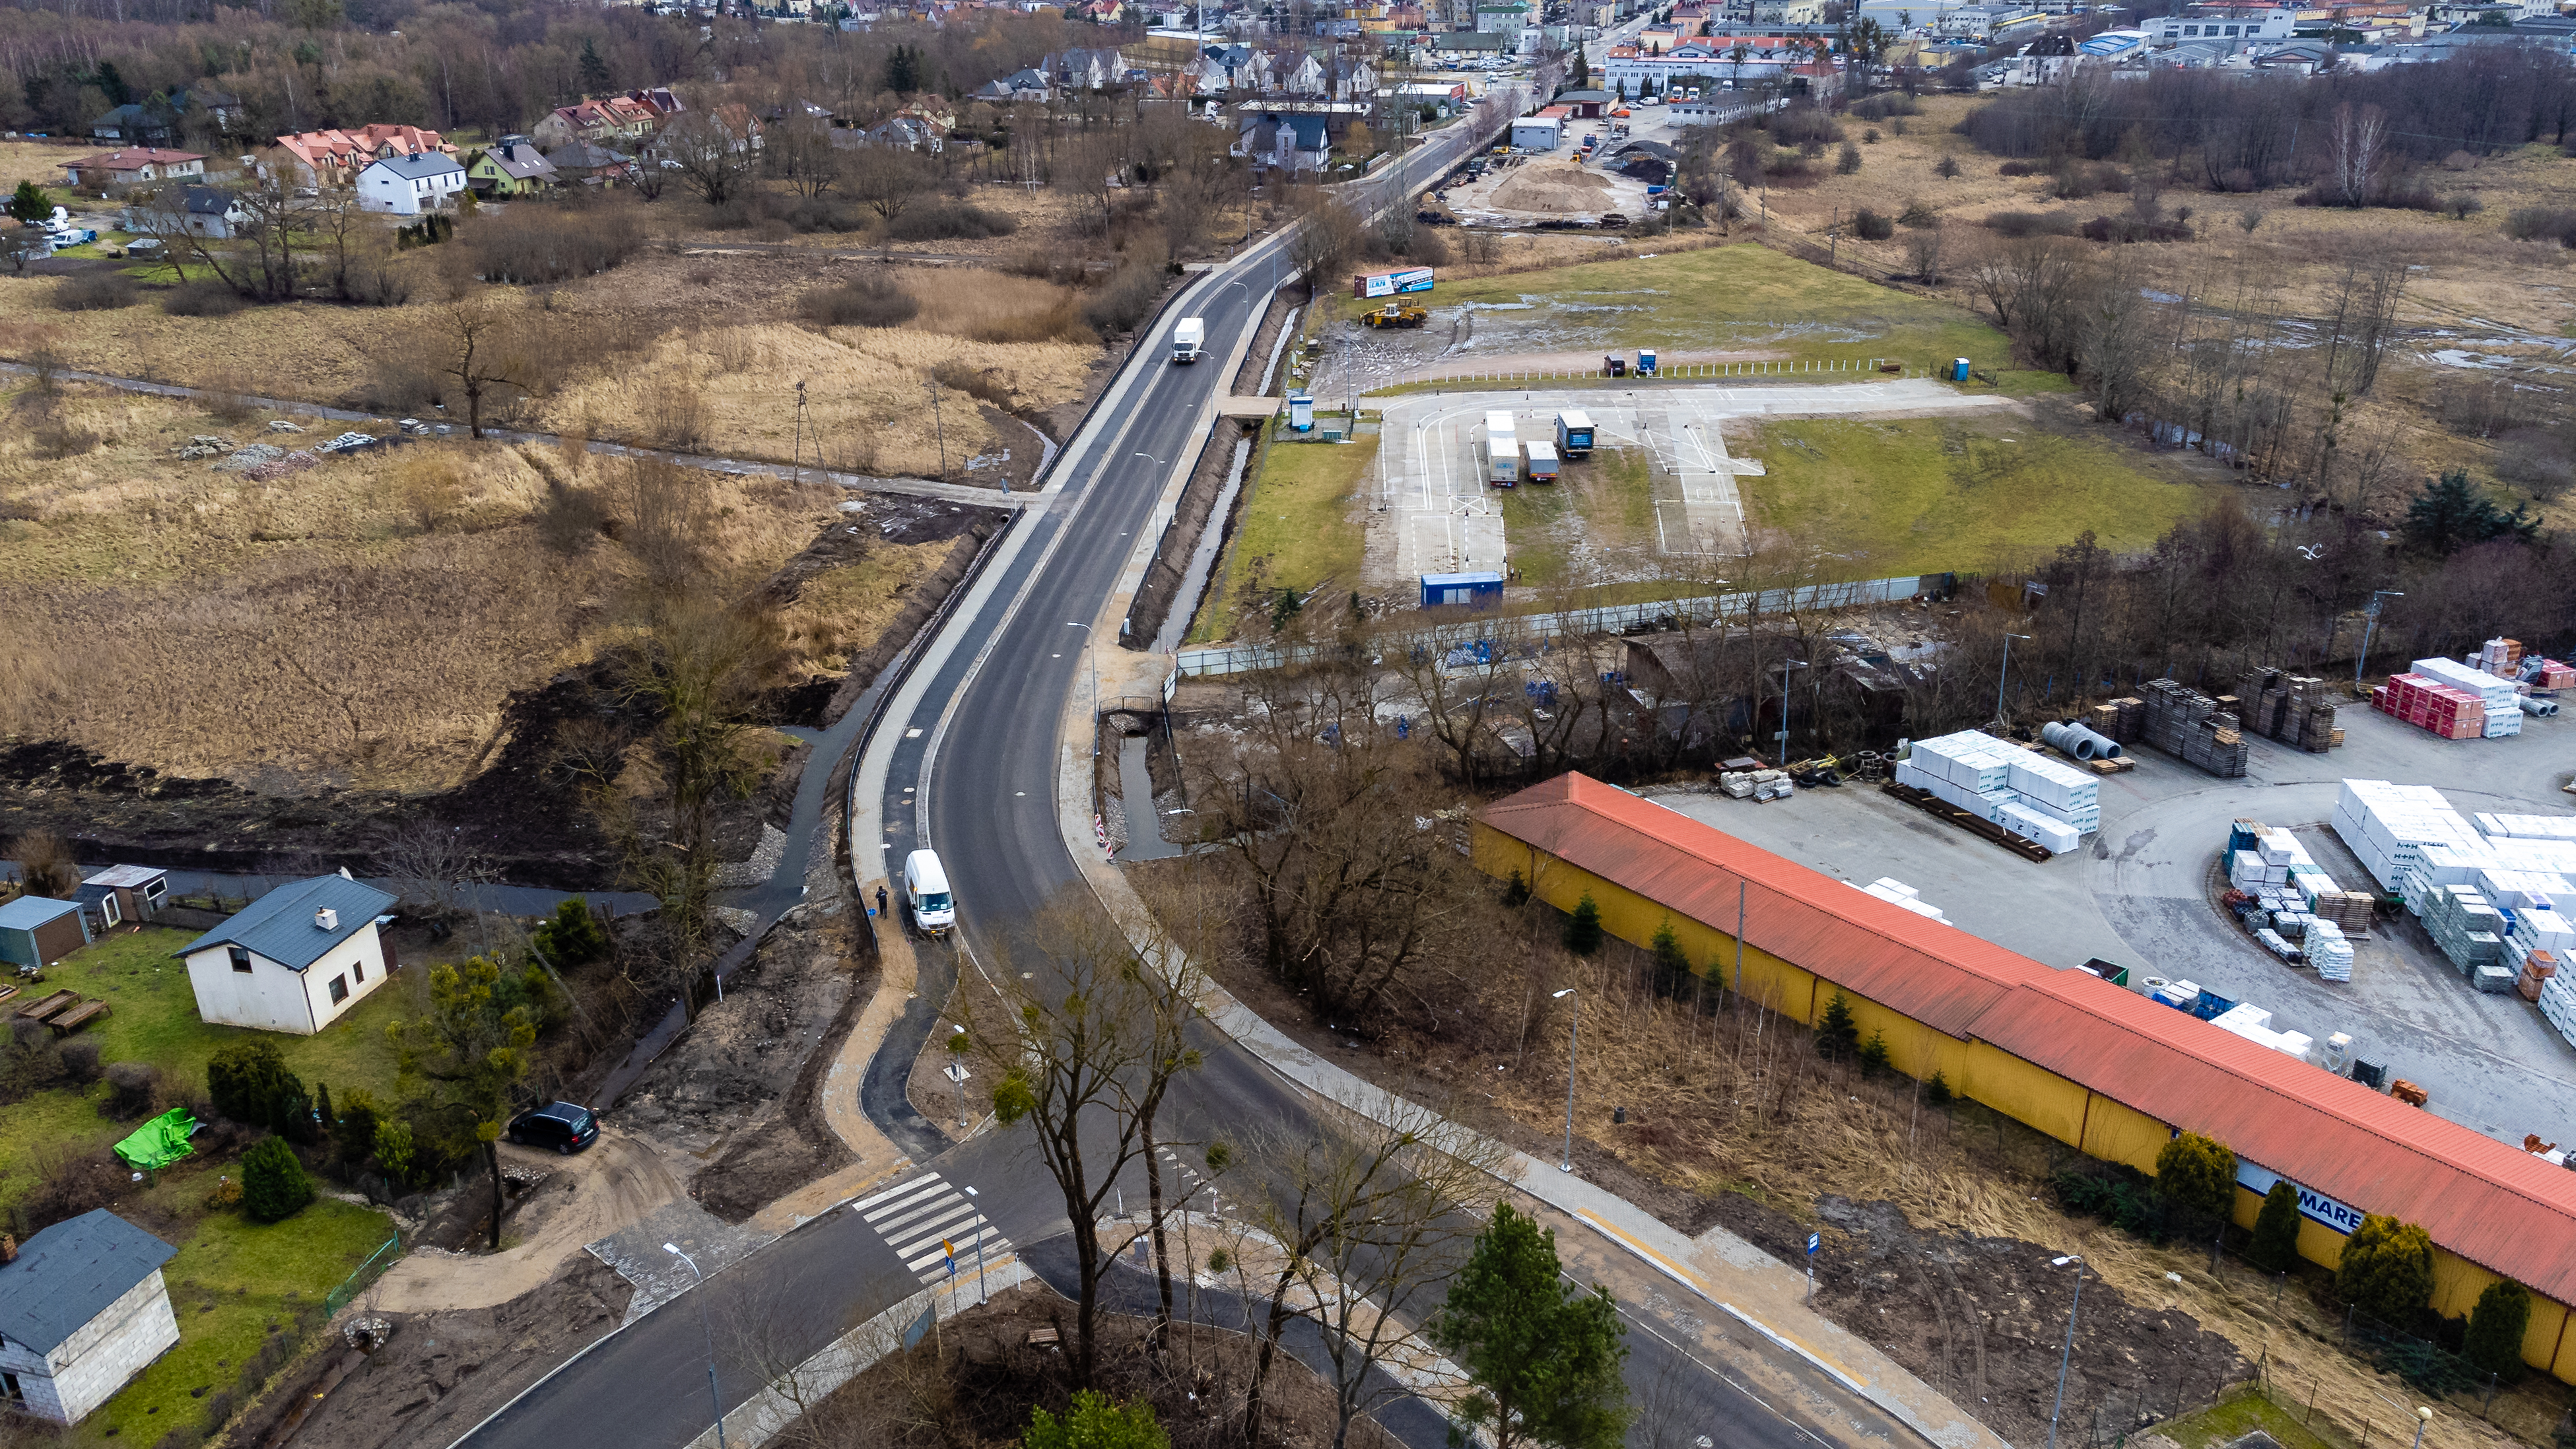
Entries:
{"x":135,"y":165}
{"x":335,"y":157}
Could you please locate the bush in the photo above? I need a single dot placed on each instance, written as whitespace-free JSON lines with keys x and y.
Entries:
{"x":202,"y":299}
{"x":1096,"y":1423}
{"x":1870,"y":226}
{"x":2016,"y":168}
{"x":869,"y":300}
{"x":2387,"y":1269}
{"x":572,"y":937}
{"x":1946,"y":168}
{"x":1517,"y":892}
{"x":1937,"y":1091}
{"x":2463,"y":206}
{"x":1583,"y":928}
{"x":70,"y":1186}
{"x":80,"y":1061}
{"x":1848,"y":160}
{"x":534,"y":242}
{"x":949,"y":221}
{"x":2275,"y":1248}
{"x":1873,"y":1054}
{"x":2496,"y":1327}
{"x":133,"y":1088}
{"x":1917,"y":214}
{"x":103,"y":291}
{"x":2118,"y":1195}
{"x":2196,"y":1174}
{"x":1837,"y":1033}
{"x":2018,"y":224}
{"x":2542,"y":223}
{"x":274,"y":1187}
{"x":1123,"y":301}
{"x":248,"y":1082}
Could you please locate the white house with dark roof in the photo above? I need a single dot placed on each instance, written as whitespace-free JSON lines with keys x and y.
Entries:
{"x":295,"y":959}
{"x":409,"y":185}
{"x":82,"y":1311}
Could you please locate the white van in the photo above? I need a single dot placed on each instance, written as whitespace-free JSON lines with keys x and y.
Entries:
{"x":925,"y":891}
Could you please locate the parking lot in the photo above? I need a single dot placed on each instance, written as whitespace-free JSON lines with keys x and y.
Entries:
{"x":2143,"y":893}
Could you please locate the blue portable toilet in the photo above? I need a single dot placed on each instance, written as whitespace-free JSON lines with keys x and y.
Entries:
{"x":1958,"y":369}
{"x":1473,"y":590}
{"x":1301,"y":412}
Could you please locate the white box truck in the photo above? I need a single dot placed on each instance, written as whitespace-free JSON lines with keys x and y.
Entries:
{"x":925,"y":892}
{"x":1188,"y":338}
{"x":1538,"y":461}
{"x":1502,"y":451}
{"x":1574,"y":433}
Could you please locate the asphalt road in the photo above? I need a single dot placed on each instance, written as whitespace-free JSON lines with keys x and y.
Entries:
{"x":970,"y":767}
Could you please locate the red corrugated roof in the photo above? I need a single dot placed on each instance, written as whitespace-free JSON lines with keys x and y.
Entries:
{"x":2480,"y":1198}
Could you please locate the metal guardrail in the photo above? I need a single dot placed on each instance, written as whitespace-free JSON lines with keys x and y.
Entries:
{"x":1455,"y":631}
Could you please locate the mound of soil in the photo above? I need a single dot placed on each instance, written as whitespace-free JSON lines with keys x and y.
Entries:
{"x":1984,"y":1320}
{"x":1560,"y":188}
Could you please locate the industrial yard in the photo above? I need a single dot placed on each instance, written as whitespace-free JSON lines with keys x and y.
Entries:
{"x":2147,"y":893}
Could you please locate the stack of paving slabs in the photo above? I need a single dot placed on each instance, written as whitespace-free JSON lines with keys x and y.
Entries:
{"x":2189,"y":725}
{"x":2329,"y":950}
{"x":2296,"y":709}
{"x":2470,"y":932}
{"x":2495,"y":696}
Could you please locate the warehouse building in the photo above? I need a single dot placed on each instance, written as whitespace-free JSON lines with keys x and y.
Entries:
{"x":2093,"y":1065}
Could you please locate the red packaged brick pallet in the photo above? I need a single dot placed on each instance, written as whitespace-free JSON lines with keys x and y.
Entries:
{"x":2445,"y":710}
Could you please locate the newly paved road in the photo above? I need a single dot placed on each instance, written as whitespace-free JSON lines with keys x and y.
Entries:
{"x":966,"y":760}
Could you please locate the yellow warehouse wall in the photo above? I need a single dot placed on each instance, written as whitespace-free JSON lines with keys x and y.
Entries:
{"x":2022,"y":1090}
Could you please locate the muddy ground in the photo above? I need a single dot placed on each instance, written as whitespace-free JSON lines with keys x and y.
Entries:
{"x":521,"y":811}
{"x":442,"y":1373}
{"x":737,"y":1091}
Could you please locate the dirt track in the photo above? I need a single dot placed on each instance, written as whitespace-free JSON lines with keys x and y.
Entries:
{"x":587,"y":1197}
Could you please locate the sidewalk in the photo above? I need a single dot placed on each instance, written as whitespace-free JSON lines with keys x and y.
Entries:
{"x":1741,"y":1283}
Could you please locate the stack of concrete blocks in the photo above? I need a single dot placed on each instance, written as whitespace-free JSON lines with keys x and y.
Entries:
{"x":2255,"y":1025}
{"x":2027,"y":793}
{"x":2467,"y":929}
{"x":2525,"y":827}
{"x":2329,"y":950}
{"x":2189,"y":725}
{"x":2504,"y":716}
{"x":2390,"y":826}
{"x":1897,"y":893}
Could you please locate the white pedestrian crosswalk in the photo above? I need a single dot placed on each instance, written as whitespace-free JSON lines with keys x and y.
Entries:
{"x":927,"y":1219}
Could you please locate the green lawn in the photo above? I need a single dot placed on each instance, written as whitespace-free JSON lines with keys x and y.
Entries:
{"x":1295,"y":530}
{"x":156,"y":1021}
{"x":61,"y":1120}
{"x":2236,"y":1416}
{"x":1942,"y":494}
{"x":1743,"y":297}
{"x":1534,"y":516}
{"x":232,"y":1281}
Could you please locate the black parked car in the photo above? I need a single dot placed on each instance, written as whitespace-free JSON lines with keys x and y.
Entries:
{"x":567,"y":1127}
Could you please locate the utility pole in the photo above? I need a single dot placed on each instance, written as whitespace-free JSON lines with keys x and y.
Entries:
{"x":2002,"y":674}
{"x":2370,"y":621}
{"x":796,"y":450}
{"x":937,"y":429}
{"x":1573,"y":1044}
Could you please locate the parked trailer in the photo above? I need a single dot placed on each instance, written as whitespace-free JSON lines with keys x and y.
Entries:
{"x":1538,"y":461}
{"x":1502,"y":451}
{"x":1574,"y":433}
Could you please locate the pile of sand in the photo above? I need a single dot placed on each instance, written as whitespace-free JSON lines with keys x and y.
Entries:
{"x":1558,"y":188}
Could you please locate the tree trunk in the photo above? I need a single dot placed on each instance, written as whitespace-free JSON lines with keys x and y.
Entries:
{"x":1261,"y":1364}
{"x":1162,"y":1258}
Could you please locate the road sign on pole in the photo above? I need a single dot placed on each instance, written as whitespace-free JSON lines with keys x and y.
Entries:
{"x":1814,"y":1241}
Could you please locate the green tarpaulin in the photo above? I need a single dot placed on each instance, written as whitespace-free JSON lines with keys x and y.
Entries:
{"x":159,"y":1142}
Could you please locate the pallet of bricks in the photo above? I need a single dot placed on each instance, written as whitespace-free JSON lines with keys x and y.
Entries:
{"x":2470,"y":932}
{"x":2452,"y":700}
{"x":2531,"y":675}
{"x":2285,"y":890}
{"x":2124,"y":720}
{"x":2189,"y":725}
{"x":2296,"y":709}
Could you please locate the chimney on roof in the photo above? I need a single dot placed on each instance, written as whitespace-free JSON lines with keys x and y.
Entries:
{"x":326,"y":919}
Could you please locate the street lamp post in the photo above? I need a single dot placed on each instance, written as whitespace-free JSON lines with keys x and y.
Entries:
{"x":1093,"y":656}
{"x":978,"y":1201}
{"x":2066,"y":1354}
{"x":714,"y":1397}
{"x":2423,"y":1420}
{"x":2003,"y":674}
{"x":2370,"y":621}
{"x":1573,"y":1045}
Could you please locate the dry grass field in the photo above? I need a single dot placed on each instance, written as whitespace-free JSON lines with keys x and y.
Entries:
{"x":37,"y":161}
{"x":361,"y":621}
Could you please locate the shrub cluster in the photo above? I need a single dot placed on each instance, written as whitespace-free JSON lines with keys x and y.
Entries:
{"x":949,"y":221}
{"x":868,"y":300}
{"x":535,"y":242}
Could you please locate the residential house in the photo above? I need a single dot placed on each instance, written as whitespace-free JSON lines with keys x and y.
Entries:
{"x":335,"y":157}
{"x":1285,"y":143}
{"x":907,"y":133}
{"x":511,"y":166}
{"x":410,"y":185}
{"x":207,"y":211}
{"x":588,"y":165}
{"x":1223,"y":68}
{"x":152,"y":122}
{"x":39,"y":931}
{"x":599,"y":121}
{"x":134,"y":166}
{"x":82,"y":1311}
{"x":295,"y":959}
{"x":1026,"y":85}
{"x":1304,"y":76}
{"x":123,"y":893}
{"x":742,"y":129}
{"x":1089,"y":70}
{"x":1503,"y":19}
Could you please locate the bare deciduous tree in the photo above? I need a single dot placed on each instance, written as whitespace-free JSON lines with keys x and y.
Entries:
{"x":2353,"y":144}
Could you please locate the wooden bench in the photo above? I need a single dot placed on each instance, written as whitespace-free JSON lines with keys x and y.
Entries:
{"x":58,"y":1002}
{"x":79,"y":1016}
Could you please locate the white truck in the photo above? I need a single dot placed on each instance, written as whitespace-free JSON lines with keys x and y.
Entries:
{"x":1574,"y":433}
{"x":1538,"y":461}
{"x":1188,"y":339}
{"x":1502,"y":451}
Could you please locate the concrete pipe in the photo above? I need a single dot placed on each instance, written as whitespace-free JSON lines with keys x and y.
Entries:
{"x":2082,"y":743}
